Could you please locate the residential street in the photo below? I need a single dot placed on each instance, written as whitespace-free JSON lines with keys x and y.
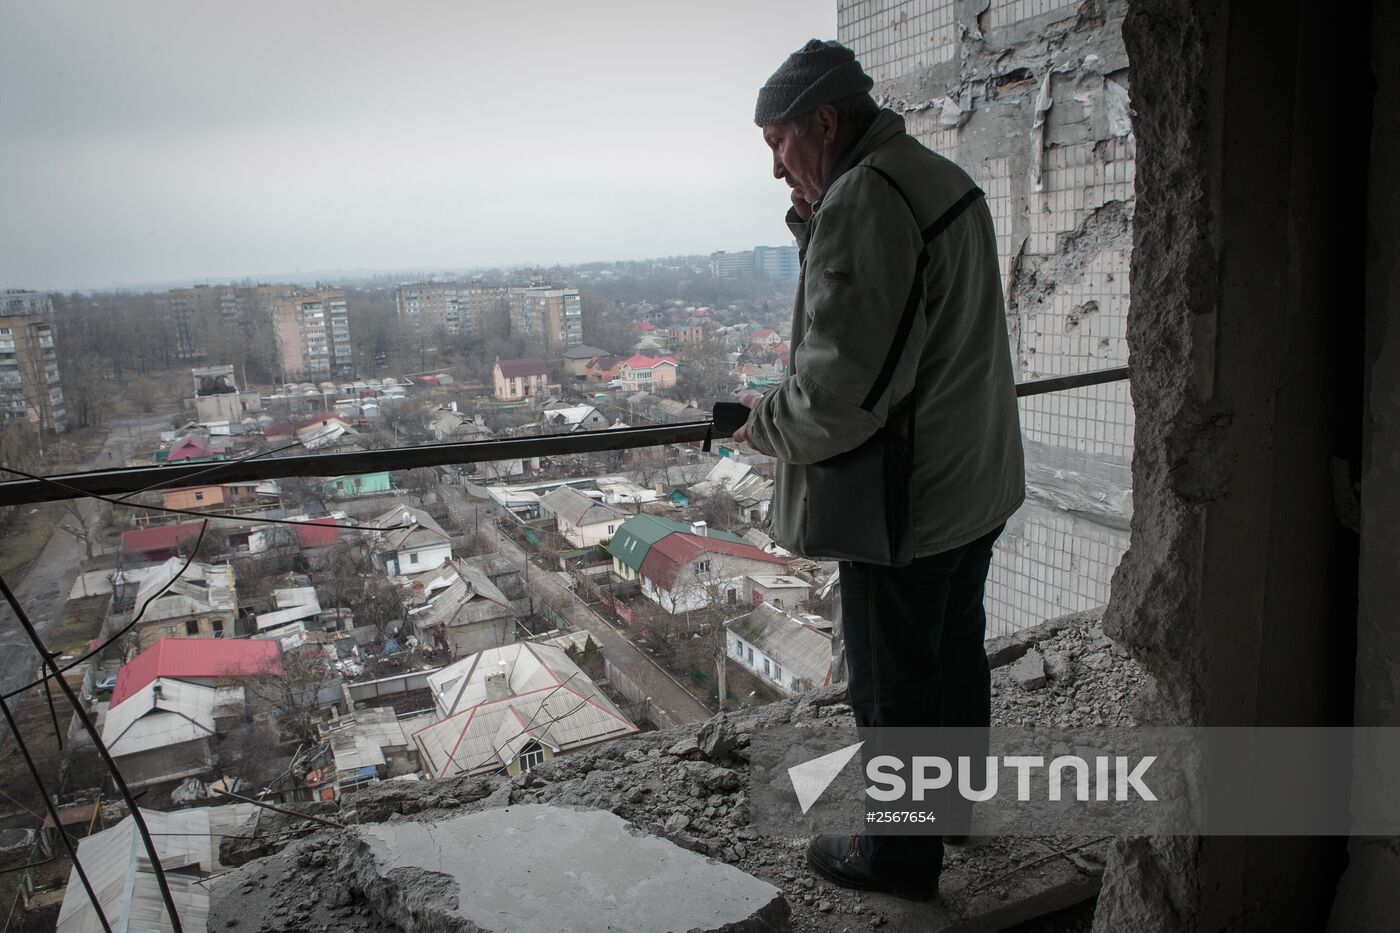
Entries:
{"x":673,"y":701}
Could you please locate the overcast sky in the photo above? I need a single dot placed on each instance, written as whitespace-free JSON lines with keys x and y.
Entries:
{"x":154,"y":141}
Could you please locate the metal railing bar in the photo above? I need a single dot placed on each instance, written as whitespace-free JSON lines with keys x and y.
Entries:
{"x":132,"y":479}
{"x":1076,"y":381}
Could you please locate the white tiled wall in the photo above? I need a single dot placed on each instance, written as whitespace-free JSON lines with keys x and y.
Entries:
{"x":894,"y":38}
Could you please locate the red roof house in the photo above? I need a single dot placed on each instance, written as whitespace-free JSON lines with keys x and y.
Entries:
{"x":197,"y":660}
{"x":321,"y":420}
{"x":317,"y":532}
{"x":512,"y":368}
{"x":666,"y":560}
{"x":160,"y":542}
{"x":192,"y":448}
{"x":640,"y":372}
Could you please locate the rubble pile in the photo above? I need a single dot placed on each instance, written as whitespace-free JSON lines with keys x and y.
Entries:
{"x":1064,"y":673}
{"x":688,"y":786}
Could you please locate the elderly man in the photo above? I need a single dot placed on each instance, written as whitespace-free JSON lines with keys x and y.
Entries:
{"x":898,"y":251}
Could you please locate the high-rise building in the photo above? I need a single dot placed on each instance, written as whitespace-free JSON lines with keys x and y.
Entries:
{"x":186,"y":308}
{"x":452,"y":308}
{"x":776,"y":262}
{"x":29,"y":382}
{"x":313,"y":335}
{"x":552,"y":316}
{"x":726,"y":265}
{"x":234,"y":310}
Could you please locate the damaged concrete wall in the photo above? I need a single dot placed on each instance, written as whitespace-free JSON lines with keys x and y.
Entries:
{"x":1031,"y":97}
{"x":1238,"y":593}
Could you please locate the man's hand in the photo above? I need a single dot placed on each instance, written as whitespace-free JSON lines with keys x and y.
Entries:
{"x":800,"y":205}
{"x":748,"y":399}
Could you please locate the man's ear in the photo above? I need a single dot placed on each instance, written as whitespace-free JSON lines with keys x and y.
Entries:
{"x":829,"y":122}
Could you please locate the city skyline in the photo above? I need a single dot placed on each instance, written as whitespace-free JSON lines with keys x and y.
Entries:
{"x":164,"y":144}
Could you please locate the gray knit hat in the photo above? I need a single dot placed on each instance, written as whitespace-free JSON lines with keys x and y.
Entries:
{"x":818,"y":73}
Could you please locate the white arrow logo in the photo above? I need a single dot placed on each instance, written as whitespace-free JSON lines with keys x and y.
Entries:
{"x":811,"y":778}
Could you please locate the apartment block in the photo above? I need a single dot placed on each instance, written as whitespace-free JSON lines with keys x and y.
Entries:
{"x":726,"y":265}
{"x":29,"y":381}
{"x":313,"y":335}
{"x":452,"y":308}
{"x":551,"y":316}
{"x":776,"y":262}
{"x":190,"y":311}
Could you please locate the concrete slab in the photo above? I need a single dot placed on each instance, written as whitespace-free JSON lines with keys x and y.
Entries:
{"x":535,"y":867}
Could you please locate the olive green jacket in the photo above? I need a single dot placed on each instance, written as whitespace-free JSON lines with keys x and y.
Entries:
{"x":859,"y":252}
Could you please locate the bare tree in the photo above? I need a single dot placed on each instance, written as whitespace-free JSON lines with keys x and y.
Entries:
{"x":418,"y":483}
{"x":290,"y":696}
{"x":82,"y":526}
{"x":350,"y":581}
{"x":719,"y":510}
{"x":142,"y":390}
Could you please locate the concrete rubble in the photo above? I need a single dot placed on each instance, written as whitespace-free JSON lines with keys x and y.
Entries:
{"x":648,"y":799}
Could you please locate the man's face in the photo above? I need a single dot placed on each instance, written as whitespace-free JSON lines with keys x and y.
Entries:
{"x":798,"y":159}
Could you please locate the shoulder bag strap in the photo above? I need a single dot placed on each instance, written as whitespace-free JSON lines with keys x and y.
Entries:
{"x":916,"y":288}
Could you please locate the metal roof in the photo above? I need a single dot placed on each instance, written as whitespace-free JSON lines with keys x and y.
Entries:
{"x":578,"y":509}
{"x":159,"y":538}
{"x":359,"y":741}
{"x":116,"y":863}
{"x":549,"y":700}
{"x":419,"y":529}
{"x":194,"y":659}
{"x":666,"y":558}
{"x":800,"y":649}
{"x":637,"y":535}
{"x":163,"y":712}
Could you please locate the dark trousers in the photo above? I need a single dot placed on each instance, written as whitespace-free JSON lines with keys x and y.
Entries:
{"x":914,"y":657}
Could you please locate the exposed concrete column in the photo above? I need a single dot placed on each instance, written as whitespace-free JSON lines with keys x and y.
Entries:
{"x":1237,"y":591}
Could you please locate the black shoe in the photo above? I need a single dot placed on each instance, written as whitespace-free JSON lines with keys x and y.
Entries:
{"x":838,"y":859}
